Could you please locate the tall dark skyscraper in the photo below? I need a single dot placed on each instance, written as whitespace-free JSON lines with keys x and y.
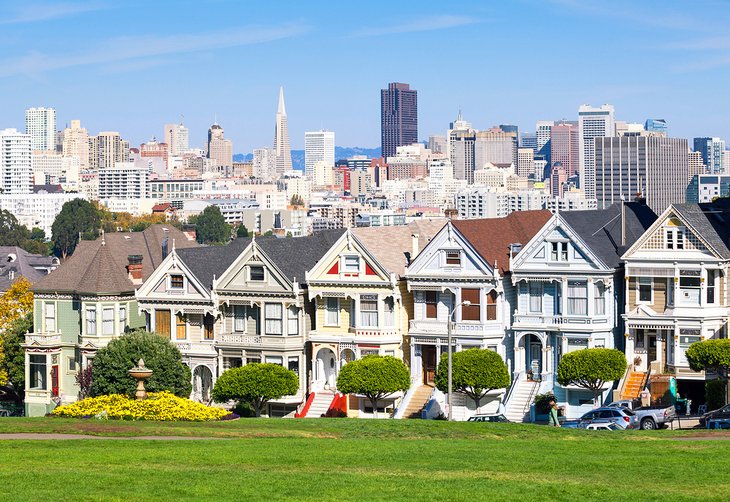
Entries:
{"x":398,"y":117}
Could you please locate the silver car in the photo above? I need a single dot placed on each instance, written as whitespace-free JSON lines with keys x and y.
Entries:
{"x":622,"y":417}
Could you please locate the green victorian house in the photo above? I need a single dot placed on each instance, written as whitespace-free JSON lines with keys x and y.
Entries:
{"x":83,"y":304}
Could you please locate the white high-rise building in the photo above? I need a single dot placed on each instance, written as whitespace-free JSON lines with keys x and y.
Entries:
{"x":40,"y":123}
{"x":16,"y":166}
{"x":264,"y":163}
{"x":318,"y":145}
{"x":123,"y":181}
{"x":542,"y":133}
{"x":177,"y":137}
{"x":281,"y":138}
{"x":592,"y":123}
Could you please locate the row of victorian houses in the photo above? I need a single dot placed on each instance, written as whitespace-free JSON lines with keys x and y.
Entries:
{"x":532,"y":286}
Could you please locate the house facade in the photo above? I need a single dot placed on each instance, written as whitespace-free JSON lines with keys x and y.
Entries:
{"x":228,"y":306}
{"x":676,"y":292}
{"x":84,"y":304}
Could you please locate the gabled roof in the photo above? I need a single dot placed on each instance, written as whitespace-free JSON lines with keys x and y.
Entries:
{"x":491,"y":237}
{"x":99,"y":266}
{"x":293,"y":256}
{"x":710,"y":221}
{"x":22,"y":264}
{"x":601,"y":229}
{"x":393,"y":246}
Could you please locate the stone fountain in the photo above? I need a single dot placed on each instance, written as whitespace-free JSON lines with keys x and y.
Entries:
{"x":140,"y":373}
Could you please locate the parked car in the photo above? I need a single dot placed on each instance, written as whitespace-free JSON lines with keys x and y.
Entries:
{"x":488,"y":418}
{"x":649,"y":417}
{"x":623,"y":417}
{"x":723,"y":412}
{"x":603,"y":426}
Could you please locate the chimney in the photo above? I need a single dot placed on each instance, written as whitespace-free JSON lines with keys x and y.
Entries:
{"x":134,"y":268}
{"x":414,"y":246}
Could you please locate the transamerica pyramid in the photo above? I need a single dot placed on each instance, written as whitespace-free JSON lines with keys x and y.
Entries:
{"x":281,"y":138}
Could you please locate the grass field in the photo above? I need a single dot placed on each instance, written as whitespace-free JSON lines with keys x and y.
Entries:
{"x":360,"y":459}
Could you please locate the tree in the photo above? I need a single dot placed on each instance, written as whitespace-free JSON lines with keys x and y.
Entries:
{"x":591,"y":368}
{"x":12,"y":233}
{"x":711,"y":355}
{"x":77,"y":217}
{"x":112,"y":363}
{"x":211,"y":227}
{"x":296,"y":200}
{"x":15,"y":302}
{"x":12,"y":357}
{"x":375,"y":377}
{"x":256,"y":384}
{"x":475,"y":372}
{"x":242,"y":231}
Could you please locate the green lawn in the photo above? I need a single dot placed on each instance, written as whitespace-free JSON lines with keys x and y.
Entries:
{"x":359,"y":459}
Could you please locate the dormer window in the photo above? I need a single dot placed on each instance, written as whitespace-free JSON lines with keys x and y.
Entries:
{"x":176,"y":281}
{"x":256,"y":273}
{"x":453,"y":258}
{"x":674,"y":238}
{"x":351,"y":263}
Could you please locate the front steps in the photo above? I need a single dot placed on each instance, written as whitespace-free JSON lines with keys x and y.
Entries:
{"x":419,"y":399}
{"x":518,"y":406}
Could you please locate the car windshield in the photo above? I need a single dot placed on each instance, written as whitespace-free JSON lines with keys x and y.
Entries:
{"x":628,"y":412}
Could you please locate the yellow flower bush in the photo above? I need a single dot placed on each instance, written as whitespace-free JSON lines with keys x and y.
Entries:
{"x":163,"y":406}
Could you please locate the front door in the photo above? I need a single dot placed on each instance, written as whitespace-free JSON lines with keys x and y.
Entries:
{"x":535,"y":362}
{"x":428,"y":355}
{"x":652,"y":347}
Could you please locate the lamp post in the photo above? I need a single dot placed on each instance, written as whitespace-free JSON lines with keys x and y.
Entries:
{"x":448,"y":332}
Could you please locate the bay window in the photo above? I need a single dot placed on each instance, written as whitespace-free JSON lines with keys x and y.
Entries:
{"x":122,"y":319}
{"x":162,"y":323}
{"x":471,"y":312}
{"x":180,"y":327}
{"x":389,"y":314}
{"x":332,"y":315}
{"x":711,"y":276}
{"x":689,"y":287}
{"x":600,"y":298}
{"x":535,"y":297}
{"x":37,"y":371}
{"x":91,"y":320}
{"x":107,"y":321}
{"x":643,"y":284}
{"x":208,"y":323}
{"x":292,"y":325}
{"x":432,"y":302}
{"x":492,"y":306}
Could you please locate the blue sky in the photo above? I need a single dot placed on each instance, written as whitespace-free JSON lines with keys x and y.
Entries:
{"x":132,"y":66}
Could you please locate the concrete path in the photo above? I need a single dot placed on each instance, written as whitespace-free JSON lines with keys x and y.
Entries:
{"x":46,"y":436}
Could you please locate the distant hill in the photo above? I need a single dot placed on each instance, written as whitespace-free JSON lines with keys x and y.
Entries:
{"x":341,"y":152}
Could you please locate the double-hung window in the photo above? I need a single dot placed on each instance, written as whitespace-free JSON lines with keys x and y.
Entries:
{"x":368,"y":311}
{"x":535,"y":297}
{"x":332,"y":315}
{"x":431,"y":299}
{"x":122,"y":319}
{"x":689,"y":287}
{"x":239,"y":318}
{"x":577,"y":298}
{"x":208,"y":323}
{"x":91,"y":320}
{"x":273,"y":313}
{"x":471,"y":312}
{"x":492,"y":306}
{"x":107,"y":321}
{"x":37,"y":370}
{"x":711,"y":276}
{"x":292,"y":323}
{"x":181,"y":329}
{"x":599,"y":299}
{"x":559,"y":251}
{"x":644,"y":285}
{"x":50,"y":316}
{"x":162,"y":323}
{"x":389,"y":312}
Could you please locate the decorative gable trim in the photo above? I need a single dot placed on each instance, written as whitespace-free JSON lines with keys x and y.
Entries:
{"x":251,"y":253}
{"x":171,"y":263}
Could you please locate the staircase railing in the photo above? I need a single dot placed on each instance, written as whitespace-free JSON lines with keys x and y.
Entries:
{"x":530,"y":398}
{"x":512,"y":387}
{"x":305,"y":406}
{"x":401,"y":409}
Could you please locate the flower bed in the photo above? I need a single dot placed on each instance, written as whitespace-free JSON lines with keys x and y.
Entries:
{"x":163,"y":406}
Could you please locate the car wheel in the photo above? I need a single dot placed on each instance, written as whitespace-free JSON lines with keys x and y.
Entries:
{"x":648,"y":424}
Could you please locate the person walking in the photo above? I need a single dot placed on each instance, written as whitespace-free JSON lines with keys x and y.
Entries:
{"x":553,"y":416}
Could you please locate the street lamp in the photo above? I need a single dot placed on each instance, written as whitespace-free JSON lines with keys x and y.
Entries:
{"x":448,"y":331}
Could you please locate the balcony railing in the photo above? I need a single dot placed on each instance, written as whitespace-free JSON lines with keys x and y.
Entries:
{"x":457,"y":328}
{"x":43,"y":338}
{"x":195,"y":347}
{"x":379,"y":332}
{"x":551,"y":320}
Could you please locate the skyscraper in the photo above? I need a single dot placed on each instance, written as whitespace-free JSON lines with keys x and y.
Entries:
{"x":318,"y":145}
{"x":281,"y":138}
{"x":592,"y":123}
{"x":106,"y":149}
{"x":398,"y":117}
{"x":496,"y":146}
{"x":564,"y":143}
{"x":542,"y":134}
{"x":220,"y":149}
{"x":177,"y":138}
{"x":712,"y":150}
{"x":651,"y":165}
{"x":76,"y":143}
{"x":461,"y":149}
{"x":656,"y":125}
{"x":40,"y":123}
{"x":525,"y":162}
{"x":16,"y":168}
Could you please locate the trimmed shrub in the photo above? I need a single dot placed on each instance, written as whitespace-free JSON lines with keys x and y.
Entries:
{"x":256,"y":384}
{"x":591,"y":368}
{"x":374,"y":377}
{"x":475,"y":372}
{"x":162,"y":406}
{"x":112,"y":364}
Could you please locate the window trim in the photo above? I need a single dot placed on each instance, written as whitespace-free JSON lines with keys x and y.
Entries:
{"x":530,"y":296}
{"x":336,"y":312}
{"x":250,"y":273}
{"x":170,"y":285}
{"x":435,"y":304}
{"x":292,"y":318}
{"x":573,"y":299}
{"x":345,"y":268}
{"x":90,"y":321}
{"x":476,"y":306}
{"x":46,"y":317}
{"x":457,"y":260}
{"x":369,"y":313}
{"x":122,"y":321}
{"x":645,"y":281}
{"x":279,"y":319}
{"x":181,"y":322}
{"x":111,"y":322}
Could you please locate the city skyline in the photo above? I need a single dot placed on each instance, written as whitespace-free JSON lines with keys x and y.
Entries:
{"x":674,"y":74}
